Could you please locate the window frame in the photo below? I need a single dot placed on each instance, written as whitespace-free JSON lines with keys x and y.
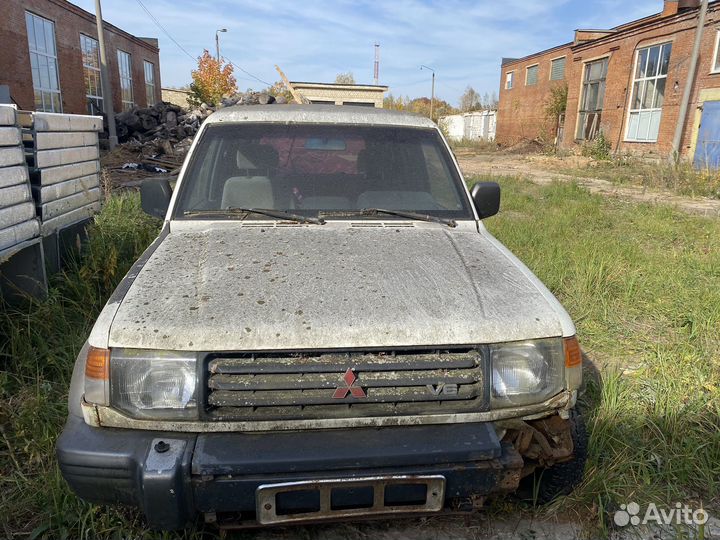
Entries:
{"x":149,"y":102}
{"x":35,"y":54}
{"x":582,"y":106}
{"x":715,"y":67}
{"x":552,"y":60}
{"x":509,"y":78}
{"x":126,"y":105}
{"x":537,"y":74}
{"x":92,"y":98}
{"x":643,"y":81}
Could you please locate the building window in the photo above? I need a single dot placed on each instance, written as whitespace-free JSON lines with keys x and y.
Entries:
{"x":716,"y":60}
{"x":531,"y":75}
{"x":149,"y":82}
{"x":509,"y":80}
{"x":126,"y":82}
{"x":651,"y":67}
{"x":557,"y":69}
{"x":91,"y":72}
{"x":591,"y":99}
{"x":43,"y":62}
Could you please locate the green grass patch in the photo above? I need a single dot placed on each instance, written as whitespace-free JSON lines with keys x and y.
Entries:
{"x":38,"y":346}
{"x":642,"y":283}
{"x":681,"y":178}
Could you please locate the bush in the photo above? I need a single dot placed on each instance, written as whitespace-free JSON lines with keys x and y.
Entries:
{"x":599,"y":148}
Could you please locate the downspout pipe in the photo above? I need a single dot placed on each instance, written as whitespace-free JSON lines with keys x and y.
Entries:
{"x":689,"y":82}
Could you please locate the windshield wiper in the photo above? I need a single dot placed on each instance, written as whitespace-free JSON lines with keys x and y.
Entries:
{"x":409,"y":215}
{"x":236,"y":211}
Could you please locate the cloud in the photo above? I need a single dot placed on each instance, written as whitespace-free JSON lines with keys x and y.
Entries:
{"x":314,"y":40}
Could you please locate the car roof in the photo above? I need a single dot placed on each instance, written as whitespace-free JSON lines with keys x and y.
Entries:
{"x":318,"y":114}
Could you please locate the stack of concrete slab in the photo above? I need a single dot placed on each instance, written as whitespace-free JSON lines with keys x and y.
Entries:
{"x":22,"y":268}
{"x":63,"y":156}
{"x":17,"y":211}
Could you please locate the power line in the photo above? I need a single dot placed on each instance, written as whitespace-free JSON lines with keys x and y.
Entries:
{"x":166,"y":32}
{"x":248,"y":73}
{"x":161,"y":27}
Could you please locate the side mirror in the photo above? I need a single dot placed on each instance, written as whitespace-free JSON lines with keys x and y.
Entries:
{"x":155,"y":196}
{"x":486,"y":198}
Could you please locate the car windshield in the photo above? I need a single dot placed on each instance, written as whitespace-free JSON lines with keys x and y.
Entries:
{"x":318,"y":169}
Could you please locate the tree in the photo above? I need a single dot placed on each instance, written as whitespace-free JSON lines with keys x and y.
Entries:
{"x":492,"y":103}
{"x":279,"y":90}
{"x":396,"y":103}
{"x":422,"y":106}
{"x":470,"y":100}
{"x":212,"y":80}
{"x":345,"y":78}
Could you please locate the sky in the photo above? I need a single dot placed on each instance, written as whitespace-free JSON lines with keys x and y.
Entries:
{"x":312,"y":40}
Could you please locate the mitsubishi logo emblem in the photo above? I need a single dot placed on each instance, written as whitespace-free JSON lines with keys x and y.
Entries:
{"x":349,"y":379}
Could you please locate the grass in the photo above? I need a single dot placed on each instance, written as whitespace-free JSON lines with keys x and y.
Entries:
{"x":641,"y":282}
{"x":643,"y":285}
{"x":681,"y":178}
{"x":474,"y":145}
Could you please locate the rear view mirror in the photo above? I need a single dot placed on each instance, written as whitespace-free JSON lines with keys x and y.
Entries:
{"x":155,"y":196}
{"x":486,"y":198}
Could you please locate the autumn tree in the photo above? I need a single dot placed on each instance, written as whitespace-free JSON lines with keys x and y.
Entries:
{"x":422,"y":106}
{"x":345,"y":78}
{"x":212,"y":80}
{"x":398,"y":103}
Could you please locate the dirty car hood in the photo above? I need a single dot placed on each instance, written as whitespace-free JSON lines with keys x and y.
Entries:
{"x":311,"y":287}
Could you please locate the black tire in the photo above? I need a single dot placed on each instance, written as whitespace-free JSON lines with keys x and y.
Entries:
{"x":548,"y":483}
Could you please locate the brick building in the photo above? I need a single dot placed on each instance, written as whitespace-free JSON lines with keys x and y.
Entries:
{"x":49,"y":58}
{"x":627,"y":82}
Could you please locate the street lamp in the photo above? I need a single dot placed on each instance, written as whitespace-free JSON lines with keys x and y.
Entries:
{"x":217,"y":42}
{"x":432,"y":95}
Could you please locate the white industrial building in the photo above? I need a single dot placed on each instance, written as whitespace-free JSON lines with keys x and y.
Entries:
{"x":478,"y":125}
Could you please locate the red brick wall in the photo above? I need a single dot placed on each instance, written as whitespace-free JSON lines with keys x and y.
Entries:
{"x":70,"y":21}
{"x":521,"y":110}
{"x":620,"y":49}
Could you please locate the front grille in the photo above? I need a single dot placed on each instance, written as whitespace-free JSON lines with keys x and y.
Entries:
{"x":303,"y":386}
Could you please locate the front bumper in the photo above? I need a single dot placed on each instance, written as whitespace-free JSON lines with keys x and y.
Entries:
{"x":173,"y":476}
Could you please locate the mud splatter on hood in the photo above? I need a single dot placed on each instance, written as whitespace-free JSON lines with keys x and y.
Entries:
{"x":329,"y":287}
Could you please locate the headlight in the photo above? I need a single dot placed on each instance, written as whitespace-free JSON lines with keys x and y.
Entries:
{"x":153,"y":384}
{"x":526,"y":372}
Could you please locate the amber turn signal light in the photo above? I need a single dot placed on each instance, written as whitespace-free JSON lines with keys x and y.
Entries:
{"x":97,"y":365}
{"x":573,"y":354}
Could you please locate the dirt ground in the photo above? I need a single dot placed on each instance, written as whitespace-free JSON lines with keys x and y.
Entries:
{"x":477,"y":527}
{"x":542,"y":169}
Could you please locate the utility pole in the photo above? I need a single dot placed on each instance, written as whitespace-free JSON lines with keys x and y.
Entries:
{"x":432,"y":92}
{"x":217,"y":42}
{"x":376,"y":70}
{"x":689,"y":81}
{"x":105,"y":80}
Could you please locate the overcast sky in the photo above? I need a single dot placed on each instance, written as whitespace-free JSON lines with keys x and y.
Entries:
{"x":315,"y":40}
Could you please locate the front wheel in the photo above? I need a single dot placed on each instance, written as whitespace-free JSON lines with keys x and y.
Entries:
{"x":547,"y":483}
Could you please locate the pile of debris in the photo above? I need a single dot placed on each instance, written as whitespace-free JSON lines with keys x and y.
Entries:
{"x":156,"y":139}
{"x":169,"y":121}
{"x":162,"y":120}
{"x":252,"y":98}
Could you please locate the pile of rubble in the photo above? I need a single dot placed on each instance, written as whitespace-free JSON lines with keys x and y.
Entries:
{"x":156,"y":139}
{"x":162,"y":120}
{"x":252,"y":98}
{"x":168,"y":121}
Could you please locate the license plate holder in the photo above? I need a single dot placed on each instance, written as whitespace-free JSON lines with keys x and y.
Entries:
{"x":267,"y":507}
